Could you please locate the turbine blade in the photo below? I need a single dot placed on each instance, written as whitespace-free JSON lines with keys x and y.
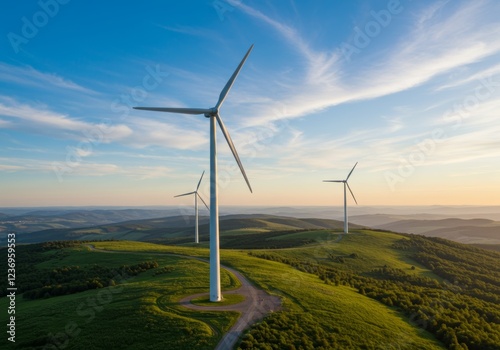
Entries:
{"x":184,"y":194}
{"x":233,"y":149}
{"x":231,"y":80}
{"x":351,"y":171}
{"x":199,"y":182}
{"x":177,"y":110}
{"x":333,"y":180}
{"x":202,"y":200}
{"x":352,"y":194}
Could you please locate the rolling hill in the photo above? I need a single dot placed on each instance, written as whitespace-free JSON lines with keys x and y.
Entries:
{"x":179,"y":229}
{"x":365,"y":290}
{"x":469,"y":231}
{"x":38,"y":220}
{"x":432,"y":221}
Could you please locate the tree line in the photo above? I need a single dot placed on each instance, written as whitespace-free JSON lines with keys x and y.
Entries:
{"x":36,"y":283}
{"x":462,"y":310}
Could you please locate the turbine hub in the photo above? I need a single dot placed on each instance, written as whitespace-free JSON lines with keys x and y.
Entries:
{"x":213,"y":112}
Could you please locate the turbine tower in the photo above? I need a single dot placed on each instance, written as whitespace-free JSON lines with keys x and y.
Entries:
{"x":214,"y":116}
{"x":346,"y":185}
{"x":196,"y":195}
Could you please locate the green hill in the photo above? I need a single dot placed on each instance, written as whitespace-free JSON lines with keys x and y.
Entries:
{"x":180,"y":229}
{"x":477,"y":231}
{"x":39,"y":220}
{"x":365,"y":290}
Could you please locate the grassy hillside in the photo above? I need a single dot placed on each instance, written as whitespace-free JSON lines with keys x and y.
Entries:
{"x":365,"y":290}
{"x":376,"y":220}
{"x":495,"y":247}
{"x":180,"y":229}
{"x":421,"y":226}
{"x":141,"y":311}
{"x":68,"y":219}
{"x":447,"y":288}
{"x":479,"y":231}
{"x":138,"y":312}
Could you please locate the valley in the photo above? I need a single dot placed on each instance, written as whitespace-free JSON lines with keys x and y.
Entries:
{"x":367,"y":289}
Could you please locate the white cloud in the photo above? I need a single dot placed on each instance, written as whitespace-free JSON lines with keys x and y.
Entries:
{"x":437,"y":44}
{"x":105,"y":169}
{"x":149,"y":132}
{"x":29,"y":76}
{"x":150,"y":172}
{"x":444,"y":37}
{"x":64,"y":171}
{"x":488,"y":76}
{"x":39,"y":119}
{"x":10,"y":168}
{"x":4,"y":123}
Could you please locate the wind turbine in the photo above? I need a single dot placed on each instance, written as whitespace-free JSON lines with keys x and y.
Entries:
{"x":346,"y":185}
{"x":214,"y":116}
{"x":196,"y":195}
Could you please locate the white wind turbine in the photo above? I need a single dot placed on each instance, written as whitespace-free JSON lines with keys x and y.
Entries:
{"x":346,"y":184}
{"x":214,"y":115}
{"x":196,"y":195}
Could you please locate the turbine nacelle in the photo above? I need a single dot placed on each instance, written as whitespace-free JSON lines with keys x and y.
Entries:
{"x":214,"y":111}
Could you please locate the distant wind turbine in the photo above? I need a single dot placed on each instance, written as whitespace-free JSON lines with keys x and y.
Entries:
{"x":196,"y":196}
{"x":214,"y":115}
{"x":346,"y":184}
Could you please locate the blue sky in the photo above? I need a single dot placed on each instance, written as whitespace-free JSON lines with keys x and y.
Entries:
{"x":409,"y":89}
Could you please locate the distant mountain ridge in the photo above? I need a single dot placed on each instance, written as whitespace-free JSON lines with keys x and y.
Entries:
{"x":469,"y":231}
{"x":179,"y":229}
{"x":471,"y":225}
{"x":65,"y":219}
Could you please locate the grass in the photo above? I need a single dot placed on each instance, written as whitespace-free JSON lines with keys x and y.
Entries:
{"x":143,"y":312}
{"x":338,"y":309}
{"x":373,"y":249}
{"x":313,"y":234}
{"x":246,"y":231}
{"x":229,"y":299}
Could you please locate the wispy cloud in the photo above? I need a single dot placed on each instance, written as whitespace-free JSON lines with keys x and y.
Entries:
{"x":40,"y":119}
{"x":436,"y":44}
{"x":144,"y":173}
{"x":481,"y":76}
{"x":4,"y":123}
{"x":136,"y":132}
{"x":148,"y":132}
{"x":92,"y":169}
{"x":29,"y":150}
{"x":193,"y":31}
{"x":10,"y":168}
{"x":438,"y":41}
{"x":28,"y":76}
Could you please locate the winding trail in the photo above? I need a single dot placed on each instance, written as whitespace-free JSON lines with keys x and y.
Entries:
{"x":257,"y":304}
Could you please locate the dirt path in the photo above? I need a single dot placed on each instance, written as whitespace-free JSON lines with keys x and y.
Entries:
{"x":256,"y":306}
